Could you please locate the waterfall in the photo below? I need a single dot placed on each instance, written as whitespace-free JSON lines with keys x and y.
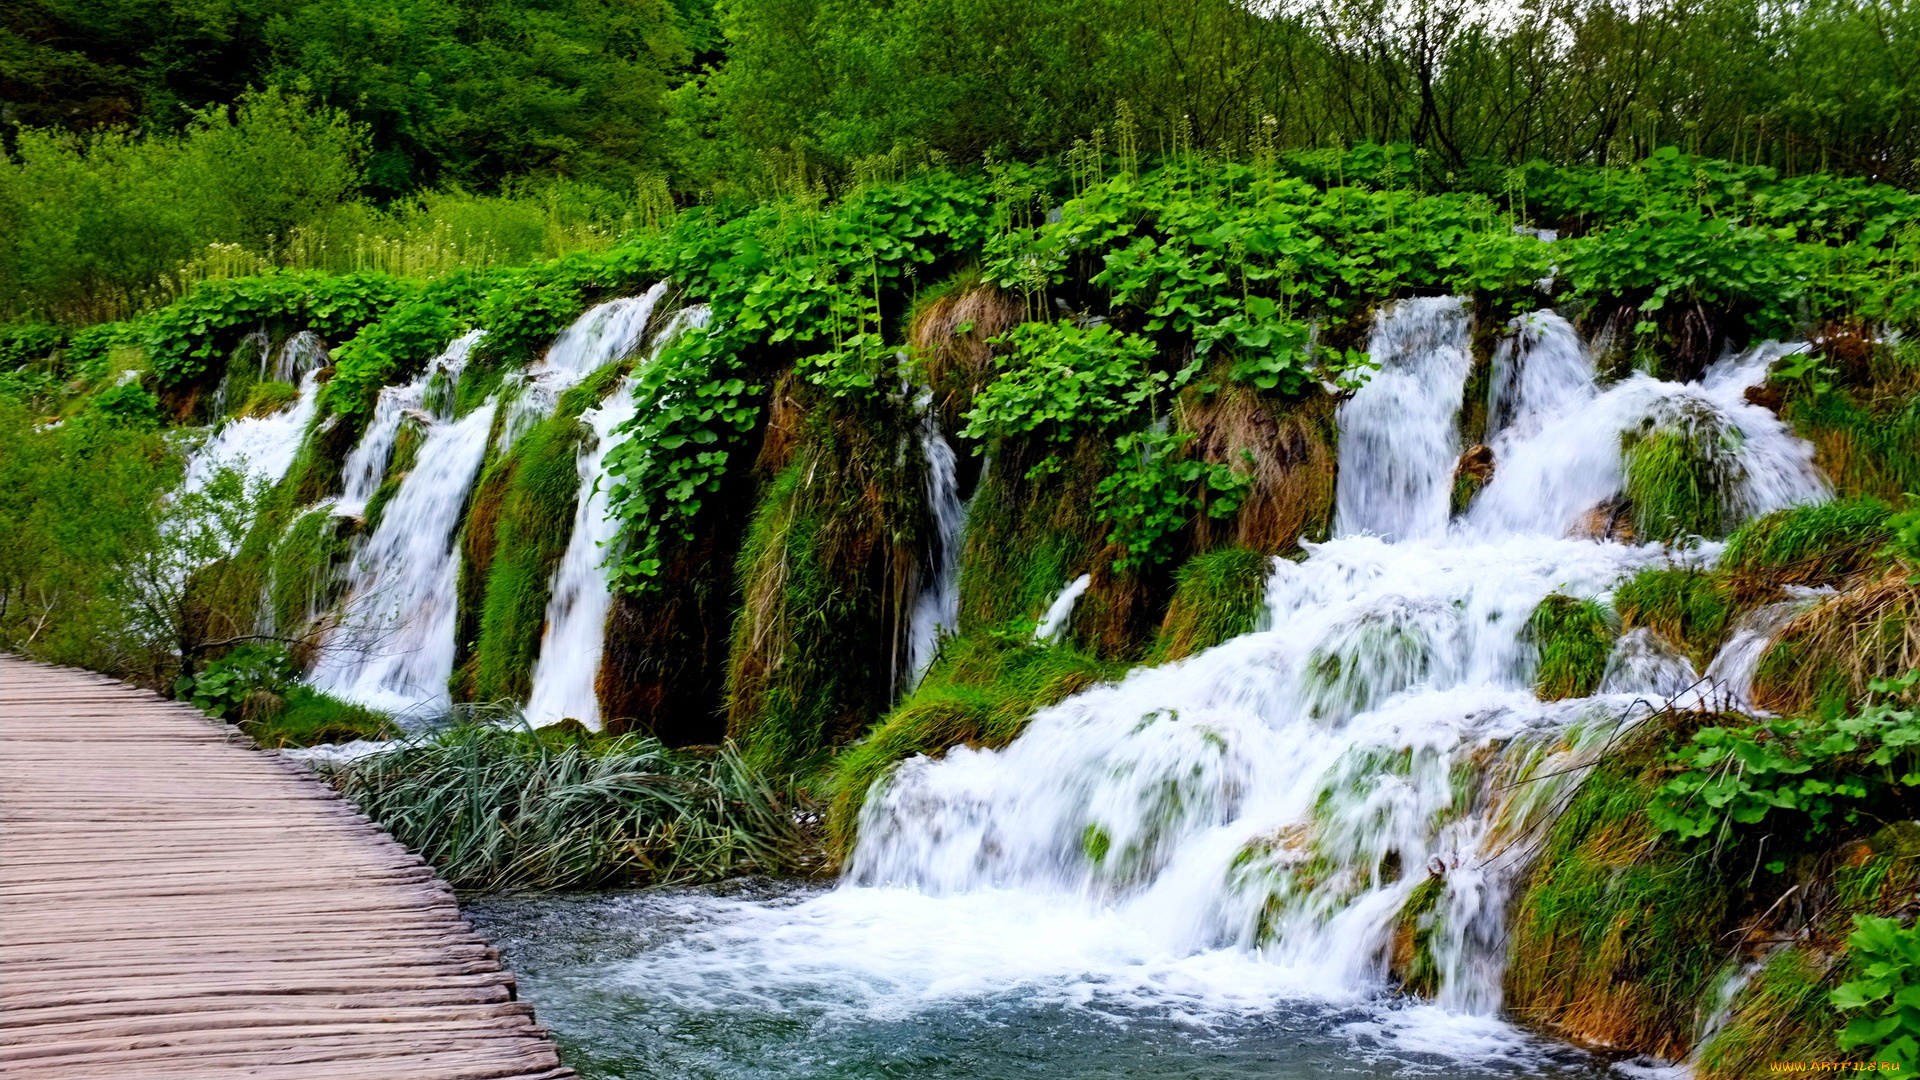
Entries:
{"x":366,"y":465}
{"x":264,"y":446}
{"x":603,"y":334}
{"x":574,"y":640}
{"x":936,"y":610}
{"x":1400,"y":436}
{"x":1730,"y":676}
{"x":392,"y":645}
{"x":1053,"y":625}
{"x":1642,"y":663}
{"x":1258,"y":820}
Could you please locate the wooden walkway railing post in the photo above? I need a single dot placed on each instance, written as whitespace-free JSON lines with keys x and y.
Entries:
{"x":174,"y":905}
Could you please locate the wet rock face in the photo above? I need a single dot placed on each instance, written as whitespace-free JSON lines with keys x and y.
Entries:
{"x":1477,"y":462}
{"x":1471,"y":473}
{"x":1769,"y":396}
{"x":1609,"y":520}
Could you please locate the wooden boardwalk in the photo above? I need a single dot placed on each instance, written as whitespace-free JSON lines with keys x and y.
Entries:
{"x":175,"y":905}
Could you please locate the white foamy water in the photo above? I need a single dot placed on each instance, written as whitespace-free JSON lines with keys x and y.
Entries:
{"x":264,"y":447}
{"x":936,"y":610}
{"x":605,"y":333}
{"x":575,"y":637}
{"x":1059,"y":614}
{"x":392,"y":647}
{"x":1206,"y":838}
{"x":367,"y":462}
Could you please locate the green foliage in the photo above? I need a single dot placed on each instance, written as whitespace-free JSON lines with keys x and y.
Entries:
{"x":495,"y":808}
{"x":127,"y":405}
{"x":222,"y":688}
{"x":1812,"y":769}
{"x":1887,"y":955}
{"x":1061,"y":380}
{"x":78,"y":512}
{"x":1689,"y":608}
{"x":1574,"y":638}
{"x":1807,"y":544}
{"x":1157,"y":491}
{"x":1218,"y":595}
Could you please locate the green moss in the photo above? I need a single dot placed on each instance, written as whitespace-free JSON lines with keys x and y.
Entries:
{"x":1413,"y":960}
{"x":1218,"y":595}
{"x":825,"y":575}
{"x":1782,"y":1015}
{"x":1026,"y":540}
{"x":1678,"y":481}
{"x":267,"y":397}
{"x":1603,"y":890}
{"x":303,"y":580}
{"x":406,"y":451}
{"x":981,"y":692}
{"x":1689,"y":608}
{"x":1808,"y":544}
{"x":531,"y":526}
{"x":307,"y":717}
{"x":1574,"y":638}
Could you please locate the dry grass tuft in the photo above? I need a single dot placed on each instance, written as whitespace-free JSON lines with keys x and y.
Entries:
{"x":1837,"y":648}
{"x":949,"y":336}
{"x":1293,"y":463}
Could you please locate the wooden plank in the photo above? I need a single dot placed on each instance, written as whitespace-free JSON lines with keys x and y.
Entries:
{"x":175,"y":904}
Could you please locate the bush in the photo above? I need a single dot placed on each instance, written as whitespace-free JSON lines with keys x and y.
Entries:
{"x":1887,"y":956}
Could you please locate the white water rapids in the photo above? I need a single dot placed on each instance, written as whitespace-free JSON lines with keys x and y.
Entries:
{"x":1244,"y":827}
{"x":581,"y":595}
{"x":392,"y":647}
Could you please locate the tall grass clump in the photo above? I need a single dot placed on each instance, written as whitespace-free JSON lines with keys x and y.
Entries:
{"x":1574,"y":638}
{"x":498,"y":808}
{"x":1679,"y":479}
{"x":1603,"y":888}
{"x":1689,"y":608}
{"x":1804,"y":545}
{"x":1217,"y":595}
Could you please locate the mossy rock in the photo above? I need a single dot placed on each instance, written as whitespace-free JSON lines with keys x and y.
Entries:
{"x":1574,"y":638}
{"x":1691,"y":609}
{"x":1217,"y":596}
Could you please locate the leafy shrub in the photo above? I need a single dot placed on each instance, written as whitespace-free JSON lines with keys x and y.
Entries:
{"x":1061,"y":380}
{"x":1813,"y":768}
{"x":223,"y":687}
{"x":1156,"y":492}
{"x":127,"y":405}
{"x":1887,"y":956}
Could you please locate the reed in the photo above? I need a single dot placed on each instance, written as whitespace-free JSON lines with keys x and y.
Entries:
{"x":495,"y":807}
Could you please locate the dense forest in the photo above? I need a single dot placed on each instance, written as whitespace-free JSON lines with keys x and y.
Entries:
{"x":711,"y":439}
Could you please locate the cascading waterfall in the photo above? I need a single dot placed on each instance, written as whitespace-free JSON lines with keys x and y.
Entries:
{"x":605,"y":333}
{"x":936,"y":611}
{"x":264,"y":446}
{"x":1253,"y":821}
{"x":574,"y":641}
{"x":392,"y":646}
{"x":366,"y":465}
